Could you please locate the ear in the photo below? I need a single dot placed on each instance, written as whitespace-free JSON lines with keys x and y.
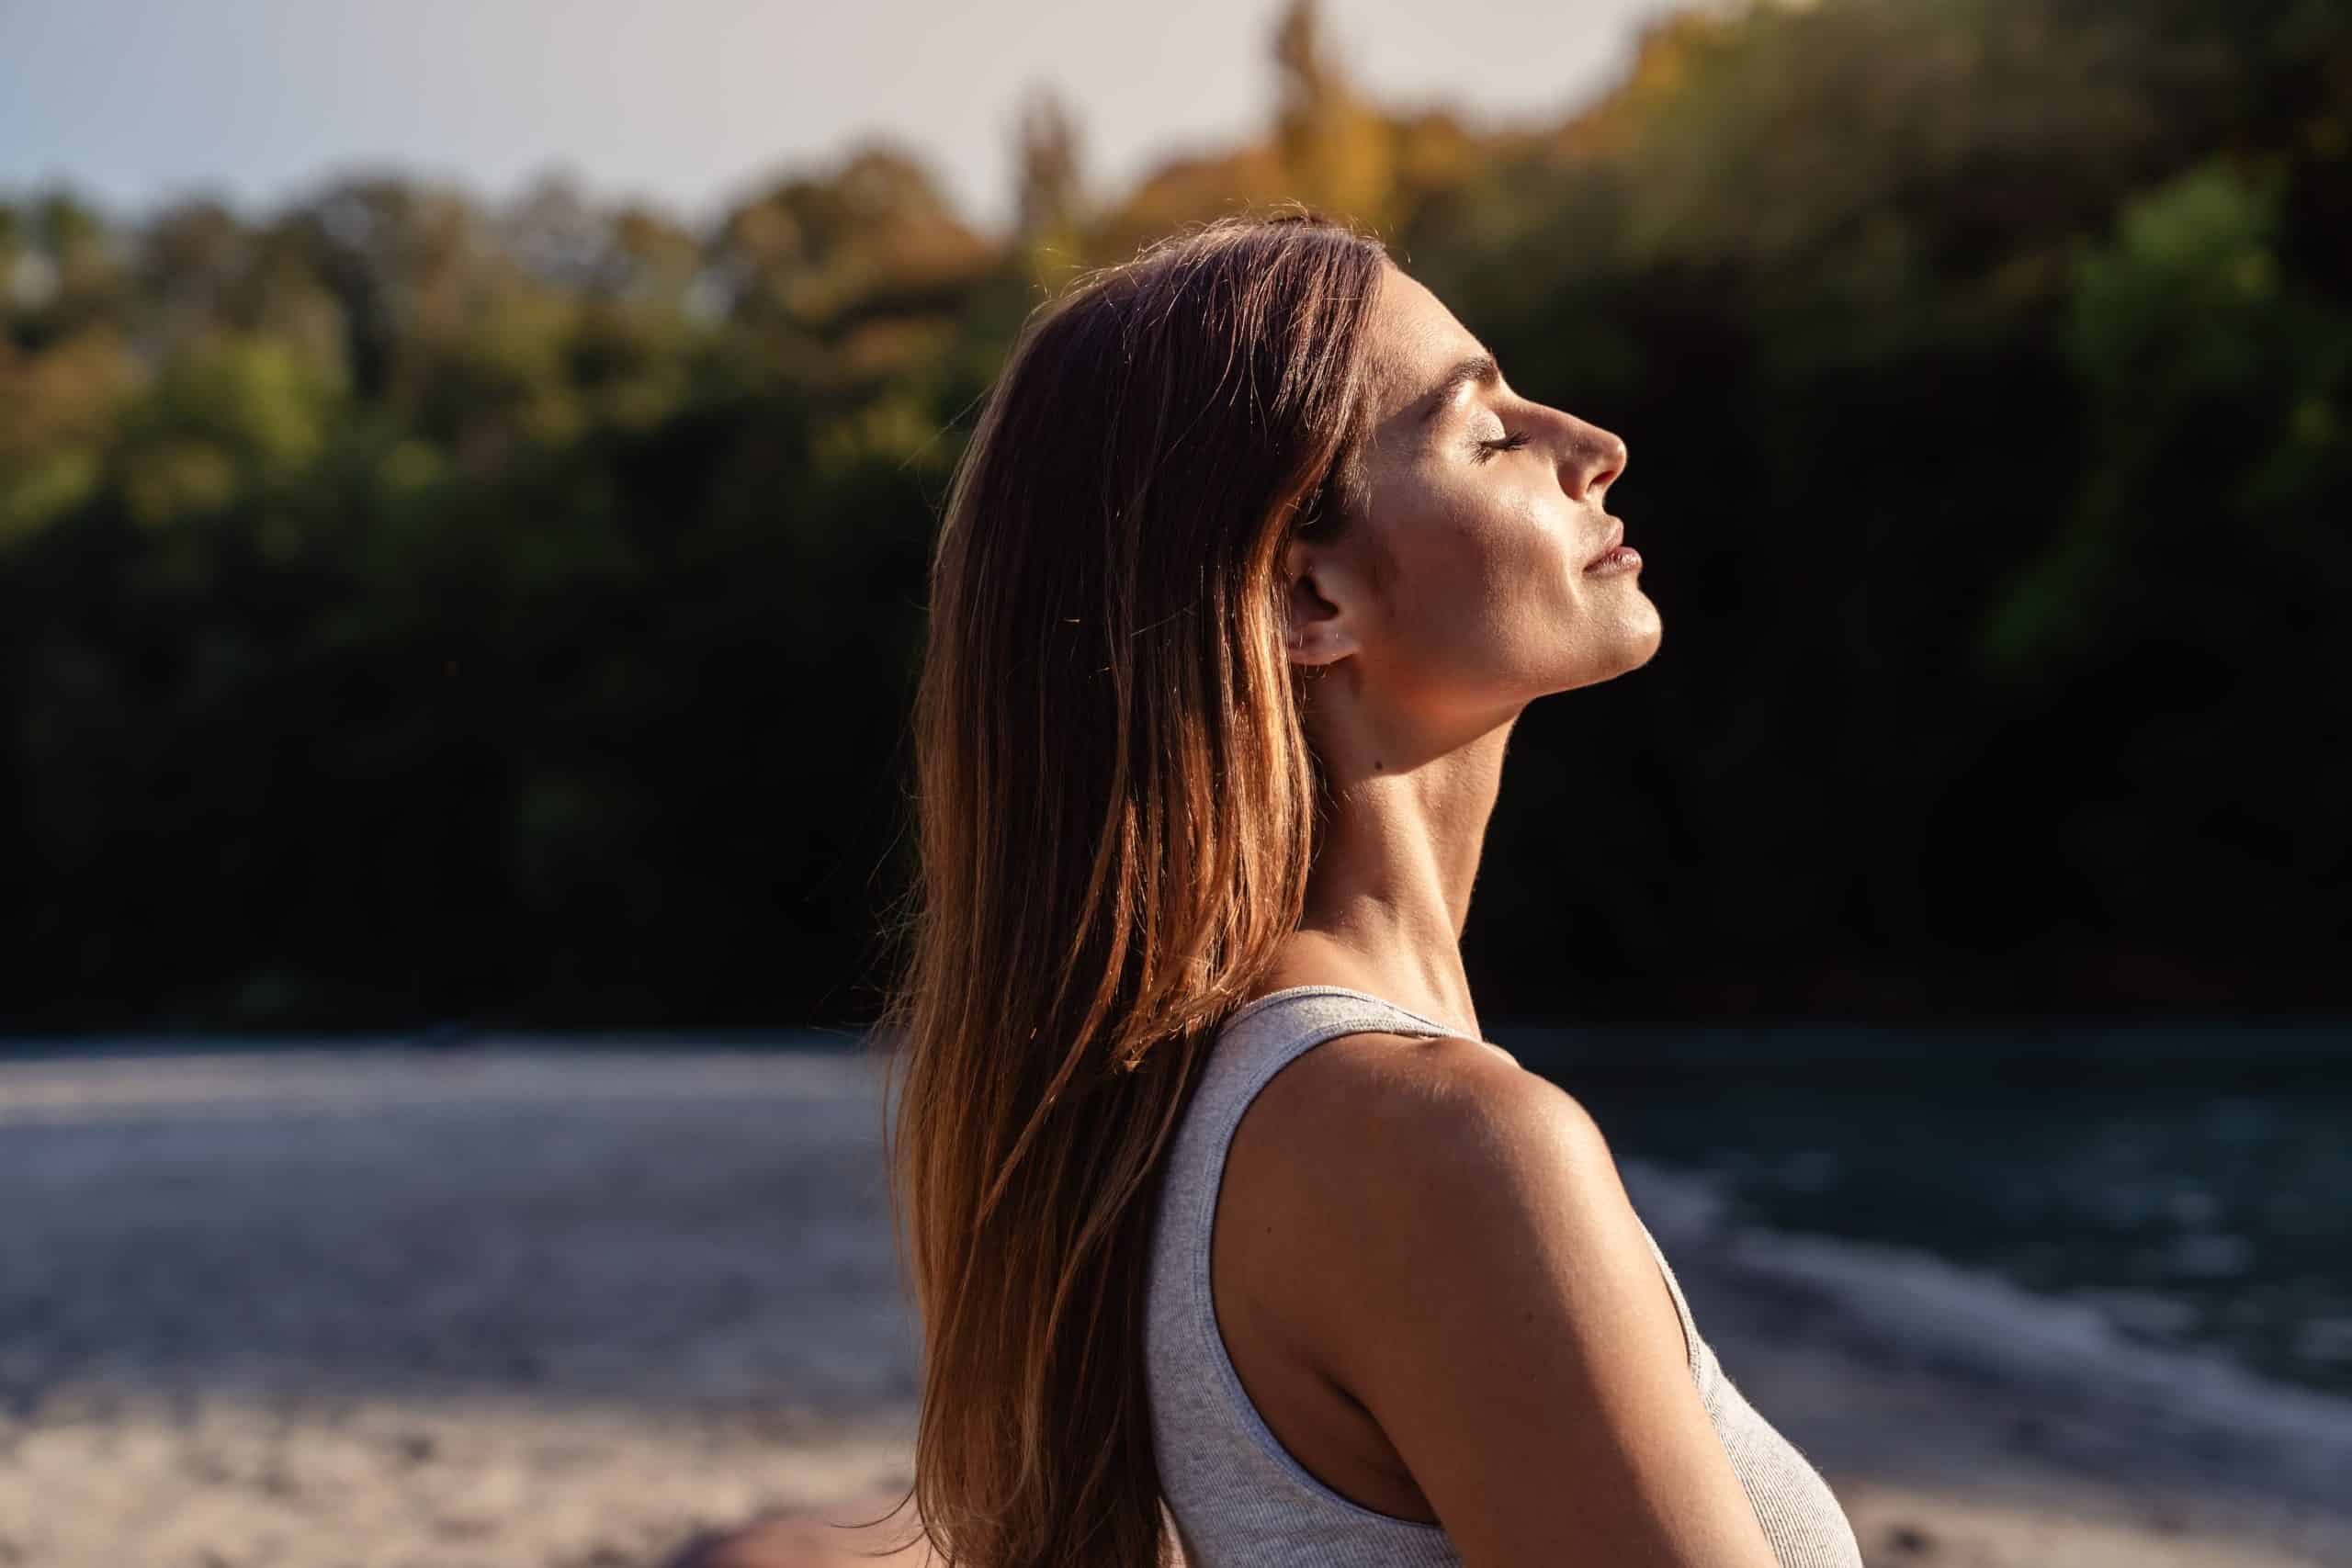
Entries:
{"x":1322,"y":603}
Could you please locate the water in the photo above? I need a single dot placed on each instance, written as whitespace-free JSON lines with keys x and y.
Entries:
{"x":2194,"y":1203}
{"x":2193,"y":1183}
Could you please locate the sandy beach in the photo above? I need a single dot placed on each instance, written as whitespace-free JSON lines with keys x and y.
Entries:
{"x":512,"y":1306}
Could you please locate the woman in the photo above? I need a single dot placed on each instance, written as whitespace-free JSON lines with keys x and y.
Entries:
{"x":1251,"y":565}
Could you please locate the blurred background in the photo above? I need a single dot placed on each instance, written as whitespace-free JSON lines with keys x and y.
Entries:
{"x":467,"y":477}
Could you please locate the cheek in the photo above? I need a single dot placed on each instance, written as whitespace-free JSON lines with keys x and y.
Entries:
{"x":1444,"y":562}
{"x":1477,"y":565}
{"x":1507,"y":547}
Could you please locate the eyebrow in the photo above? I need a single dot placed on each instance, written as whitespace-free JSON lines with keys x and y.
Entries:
{"x":1479,"y":369}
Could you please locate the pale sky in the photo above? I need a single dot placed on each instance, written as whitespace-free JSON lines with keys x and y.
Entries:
{"x":690,"y":101}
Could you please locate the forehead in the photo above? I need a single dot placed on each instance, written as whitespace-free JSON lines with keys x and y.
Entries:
{"x":1414,"y":341}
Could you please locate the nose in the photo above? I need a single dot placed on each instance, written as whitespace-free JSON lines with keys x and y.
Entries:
{"x":1591,"y":461}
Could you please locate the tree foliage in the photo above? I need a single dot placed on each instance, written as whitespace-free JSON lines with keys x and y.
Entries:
{"x":410,"y":610}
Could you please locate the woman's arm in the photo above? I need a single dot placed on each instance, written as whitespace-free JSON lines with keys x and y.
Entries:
{"x":1494,"y":1302}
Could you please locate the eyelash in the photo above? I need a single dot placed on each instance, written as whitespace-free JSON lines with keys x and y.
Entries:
{"x":1510,"y":441}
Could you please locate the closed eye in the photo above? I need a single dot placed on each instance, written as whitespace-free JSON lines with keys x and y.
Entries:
{"x":1510,"y":441}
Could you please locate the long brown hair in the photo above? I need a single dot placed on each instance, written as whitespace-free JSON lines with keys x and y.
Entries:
{"x":1115,"y":810}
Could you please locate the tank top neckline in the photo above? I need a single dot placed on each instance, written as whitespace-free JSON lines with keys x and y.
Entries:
{"x":1255,"y":1003}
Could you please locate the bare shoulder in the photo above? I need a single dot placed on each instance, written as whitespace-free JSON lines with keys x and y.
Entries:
{"x":1445,"y":1086}
{"x":1394,"y":1164}
{"x":1483,"y":1288}
{"x":1377,"y":1064}
{"x":1382,"y":1117}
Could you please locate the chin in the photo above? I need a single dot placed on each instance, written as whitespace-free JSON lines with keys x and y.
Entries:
{"x":1635,"y":643}
{"x":1630,"y":643}
{"x":1644,"y":643}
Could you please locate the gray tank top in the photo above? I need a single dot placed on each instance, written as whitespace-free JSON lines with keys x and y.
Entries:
{"x":1237,"y":1496}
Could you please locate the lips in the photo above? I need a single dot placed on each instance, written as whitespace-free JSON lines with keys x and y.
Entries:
{"x":1615,"y":536}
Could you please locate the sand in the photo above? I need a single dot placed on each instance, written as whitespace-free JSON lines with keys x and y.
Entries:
{"x":513,"y":1305}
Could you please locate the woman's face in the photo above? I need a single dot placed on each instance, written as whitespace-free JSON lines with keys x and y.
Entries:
{"x":1470,"y":588}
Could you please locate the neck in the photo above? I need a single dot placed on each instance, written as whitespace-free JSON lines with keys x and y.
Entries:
{"x":1390,"y":892}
